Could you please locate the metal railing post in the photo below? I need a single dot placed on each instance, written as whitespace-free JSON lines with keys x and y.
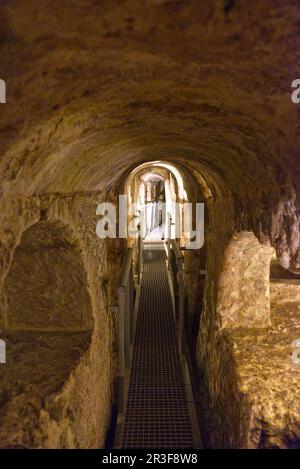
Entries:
{"x":139,"y":258}
{"x":131,"y":301}
{"x":169,"y":240}
{"x":121,"y":295}
{"x":181,"y":303}
{"x":177,"y":271}
{"x":126,"y":298}
{"x":127,"y":326}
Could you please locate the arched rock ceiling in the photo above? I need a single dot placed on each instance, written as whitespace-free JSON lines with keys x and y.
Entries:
{"x":95,"y":86}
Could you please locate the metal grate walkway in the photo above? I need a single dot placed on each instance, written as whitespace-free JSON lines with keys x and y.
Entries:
{"x":157,"y":414}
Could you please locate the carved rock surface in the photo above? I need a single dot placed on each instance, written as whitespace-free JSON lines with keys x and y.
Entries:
{"x":95,"y":88}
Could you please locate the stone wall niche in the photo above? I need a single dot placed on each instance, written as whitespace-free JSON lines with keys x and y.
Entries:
{"x":48,"y":328}
{"x":46,"y":287}
{"x":244,"y":293}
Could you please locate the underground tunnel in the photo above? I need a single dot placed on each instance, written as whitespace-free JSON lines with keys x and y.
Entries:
{"x":120,"y":331}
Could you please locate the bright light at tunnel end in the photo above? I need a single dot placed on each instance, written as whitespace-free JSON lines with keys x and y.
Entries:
{"x":132,"y":221}
{"x":2,"y":351}
{"x":2,"y":92}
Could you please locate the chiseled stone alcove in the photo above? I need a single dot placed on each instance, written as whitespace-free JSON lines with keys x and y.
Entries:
{"x":243,"y":291}
{"x":46,"y":288}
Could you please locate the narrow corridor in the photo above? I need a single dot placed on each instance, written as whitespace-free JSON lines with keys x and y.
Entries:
{"x":157,"y":414}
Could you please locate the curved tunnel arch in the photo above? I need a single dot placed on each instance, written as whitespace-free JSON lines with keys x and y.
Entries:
{"x":223,"y":113}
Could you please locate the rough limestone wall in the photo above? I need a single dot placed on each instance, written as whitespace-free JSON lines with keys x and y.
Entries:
{"x":78,"y":414}
{"x":212,"y":347}
{"x":243,"y":302}
{"x":46,"y":287}
{"x":88,"y":98}
{"x":267,"y":376}
{"x":243,"y":297}
{"x":286,"y":233}
{"x":234,"y":277}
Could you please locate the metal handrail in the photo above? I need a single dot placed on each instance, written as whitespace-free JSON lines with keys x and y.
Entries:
{"x":139,"y":258}
{"x":127,"y":317}
{"x":176,"y":266}
{"x":127,"y":322}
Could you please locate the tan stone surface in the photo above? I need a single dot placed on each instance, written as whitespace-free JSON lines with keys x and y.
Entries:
{"x":79,"y":423}
{"x":243,"y":292}
{"x":46,"y":288}
{"x":267,"y":375}
{"x":38,"y":365}
{"x":94,"y":89}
